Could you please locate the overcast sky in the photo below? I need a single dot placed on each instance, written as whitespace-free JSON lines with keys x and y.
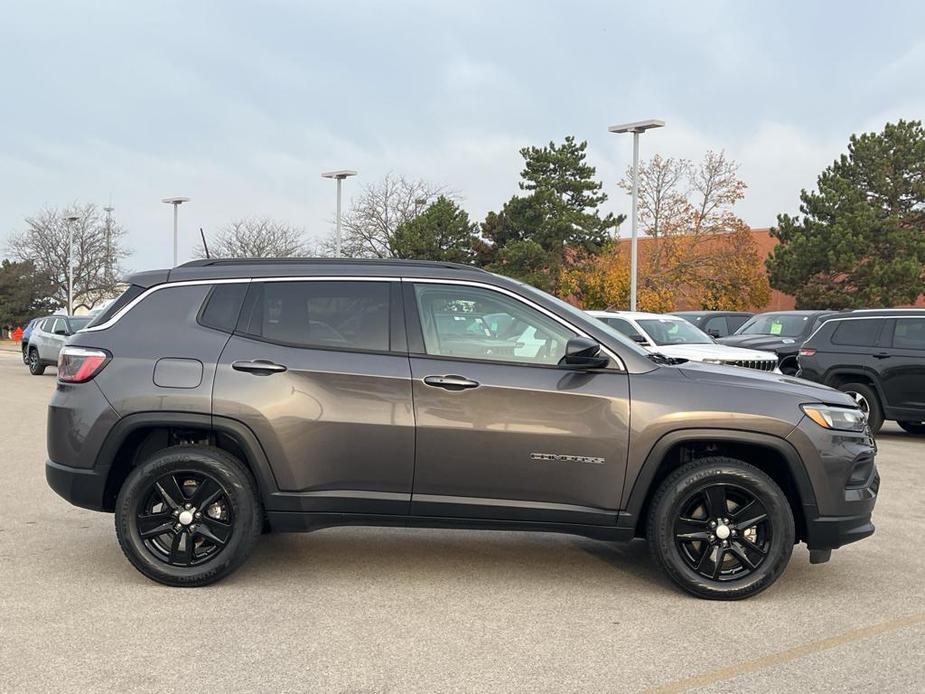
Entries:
{"x":241,"y":105}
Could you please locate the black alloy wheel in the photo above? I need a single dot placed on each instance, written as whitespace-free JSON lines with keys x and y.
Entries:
{"x":185,"y":519}
{"x":723,"y":532}
{"x":721,"y":528}
{"x":189,"y":515}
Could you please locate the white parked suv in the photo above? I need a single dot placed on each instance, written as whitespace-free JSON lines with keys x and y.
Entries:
{"x":677,"y":338}
{"x":47,"y":338}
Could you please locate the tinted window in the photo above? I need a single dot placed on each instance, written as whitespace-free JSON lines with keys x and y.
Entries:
{"x":715,"y":326}
{"x":223,"y":306}
{"x":736,"y":322}
{"x":340,"y":315}
{"x":621,"y":325}
{"x":483,"y":324}
{"x":909,"y":333}
{"x":857,"y":333}
{"x":128,"y":295}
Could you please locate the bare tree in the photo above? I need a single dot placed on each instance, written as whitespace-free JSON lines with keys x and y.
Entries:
{"x":370,"y":224}
{"x":256,"y":238}
{"x":97,"y":248}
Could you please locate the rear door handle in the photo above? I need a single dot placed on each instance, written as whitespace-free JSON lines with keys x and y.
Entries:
{"x":451,"y":382}
{"x":881,"y":355}
{"x":258,"y":367}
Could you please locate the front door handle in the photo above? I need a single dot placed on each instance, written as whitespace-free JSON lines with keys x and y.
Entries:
{"x":258,"y":367}
{"x":881,"y":355}
{"x":451,"y":382}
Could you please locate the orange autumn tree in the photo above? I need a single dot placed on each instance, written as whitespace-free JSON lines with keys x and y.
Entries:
{"x":698,"y":253}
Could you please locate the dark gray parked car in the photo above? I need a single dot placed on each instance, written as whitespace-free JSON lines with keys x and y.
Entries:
{"x":225,"y":397}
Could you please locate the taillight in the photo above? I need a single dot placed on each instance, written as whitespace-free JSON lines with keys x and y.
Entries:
{"x":80,"y":364}
{"x":807,"y":352}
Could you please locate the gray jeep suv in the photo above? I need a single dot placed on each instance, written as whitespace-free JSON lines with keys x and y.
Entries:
{"x":225,"y":397}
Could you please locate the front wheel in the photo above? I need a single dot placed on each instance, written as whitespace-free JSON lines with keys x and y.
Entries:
{"x":188,"y":516}
{"x":721,"y":529}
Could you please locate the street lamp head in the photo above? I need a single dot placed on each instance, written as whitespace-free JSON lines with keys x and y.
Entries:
{"x":639,"y":126}
{"x":176,"y":200}
{"x":342,"y":174}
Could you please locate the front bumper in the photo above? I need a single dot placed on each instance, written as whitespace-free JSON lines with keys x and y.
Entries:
{"x":82,"y":487}
{"x":845,"y":483}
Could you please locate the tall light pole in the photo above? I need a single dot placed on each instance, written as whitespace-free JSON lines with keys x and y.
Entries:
{"x":635,"y":128}
{"x":109,"y":209}
{"x":176,"y":201}
{"x":339,"y":176}
{"x":70,"y":262}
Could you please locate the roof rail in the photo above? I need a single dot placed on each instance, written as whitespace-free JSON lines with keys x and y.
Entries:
{"x":216,"y":262}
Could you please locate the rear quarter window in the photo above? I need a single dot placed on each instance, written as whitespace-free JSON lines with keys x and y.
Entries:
{"x":222,"y":306}
{"x":861,"y":332}
{"x":131,"y":292}
{"x":909,"y":333}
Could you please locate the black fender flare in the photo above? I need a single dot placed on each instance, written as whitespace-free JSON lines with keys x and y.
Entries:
{"x":868,"y":376}
{"x":257,"y":459}
{"x":634,"y":502}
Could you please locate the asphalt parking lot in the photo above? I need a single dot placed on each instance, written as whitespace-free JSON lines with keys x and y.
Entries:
{"x":395,"y":610}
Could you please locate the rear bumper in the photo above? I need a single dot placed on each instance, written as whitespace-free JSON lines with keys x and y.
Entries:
{"x":82,"y":487}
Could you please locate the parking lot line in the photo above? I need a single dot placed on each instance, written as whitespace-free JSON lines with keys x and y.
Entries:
{"x":788,"y":655}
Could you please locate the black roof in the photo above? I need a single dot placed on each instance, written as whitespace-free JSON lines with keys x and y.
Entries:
{"x":390,"y":262}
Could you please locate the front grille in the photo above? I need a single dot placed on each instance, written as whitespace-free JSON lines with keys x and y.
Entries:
{"x":760,"y":364}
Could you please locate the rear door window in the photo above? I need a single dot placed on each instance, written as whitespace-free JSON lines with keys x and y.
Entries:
{"x":623,"y":326}
{"x":735,"y":322}
{"x":861,"y":332}
{"x":909,"y":333}
{"x":348,"y":315}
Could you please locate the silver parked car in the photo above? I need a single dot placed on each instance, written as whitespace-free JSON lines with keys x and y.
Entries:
{"x":48,"y":337}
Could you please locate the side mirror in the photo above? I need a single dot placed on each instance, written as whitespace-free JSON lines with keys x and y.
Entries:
{"x":583,"y":353}
{"x":641,"y":339}
{"x":60,"y":331}
{"x":713,"y":333}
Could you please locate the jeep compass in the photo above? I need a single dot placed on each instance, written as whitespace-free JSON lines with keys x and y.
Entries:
{"x":304,"y":394}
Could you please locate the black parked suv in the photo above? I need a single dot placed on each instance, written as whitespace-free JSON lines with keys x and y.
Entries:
{"x":716,"y":323}
{"x":781,"y":332}
{"x":308,"y":393}
{"x":878,"y":358}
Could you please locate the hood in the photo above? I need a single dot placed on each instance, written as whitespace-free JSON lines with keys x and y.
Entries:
{"x":713,"y":351}
{"x":807,"y":391}
{"x":773,"y":343}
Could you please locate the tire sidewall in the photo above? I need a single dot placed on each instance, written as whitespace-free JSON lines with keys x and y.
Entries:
{"x":678,"y":488}
{"x":242,"y":498}
{"x":36,"y":368}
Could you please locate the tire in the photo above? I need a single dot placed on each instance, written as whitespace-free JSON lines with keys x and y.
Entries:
{"x":36,"y":367}
{"x":789,"y":367}
{"x":913,"y":427}
{"x":690,"y":550}
{"x":867,"y":399}
{"x":183,"y":554}
{"x":25,"y":354}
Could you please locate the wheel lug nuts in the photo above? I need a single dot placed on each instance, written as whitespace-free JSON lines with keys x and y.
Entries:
{"x":725,"y":543}
{"x":712,"y":524}
{"x":189,"y":506}
{"x":198,"y":514}
{"x":712,"y":538}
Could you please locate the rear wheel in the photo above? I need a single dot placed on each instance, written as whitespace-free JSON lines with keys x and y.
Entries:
{"x":867,"y":401}
{"x":913,"y":427}
{"x":36,"y":367}
{"x":721,"y":529}
{"x":188,"y":516}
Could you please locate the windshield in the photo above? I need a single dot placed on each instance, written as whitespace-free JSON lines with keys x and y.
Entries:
{"x":777,"y":324}
{"x":78,"y":323}
{"x":665,"y":331}
{"x":570,"y":310}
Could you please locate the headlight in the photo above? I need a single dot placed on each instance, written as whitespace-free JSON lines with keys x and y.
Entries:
{"x":839,"y":418}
